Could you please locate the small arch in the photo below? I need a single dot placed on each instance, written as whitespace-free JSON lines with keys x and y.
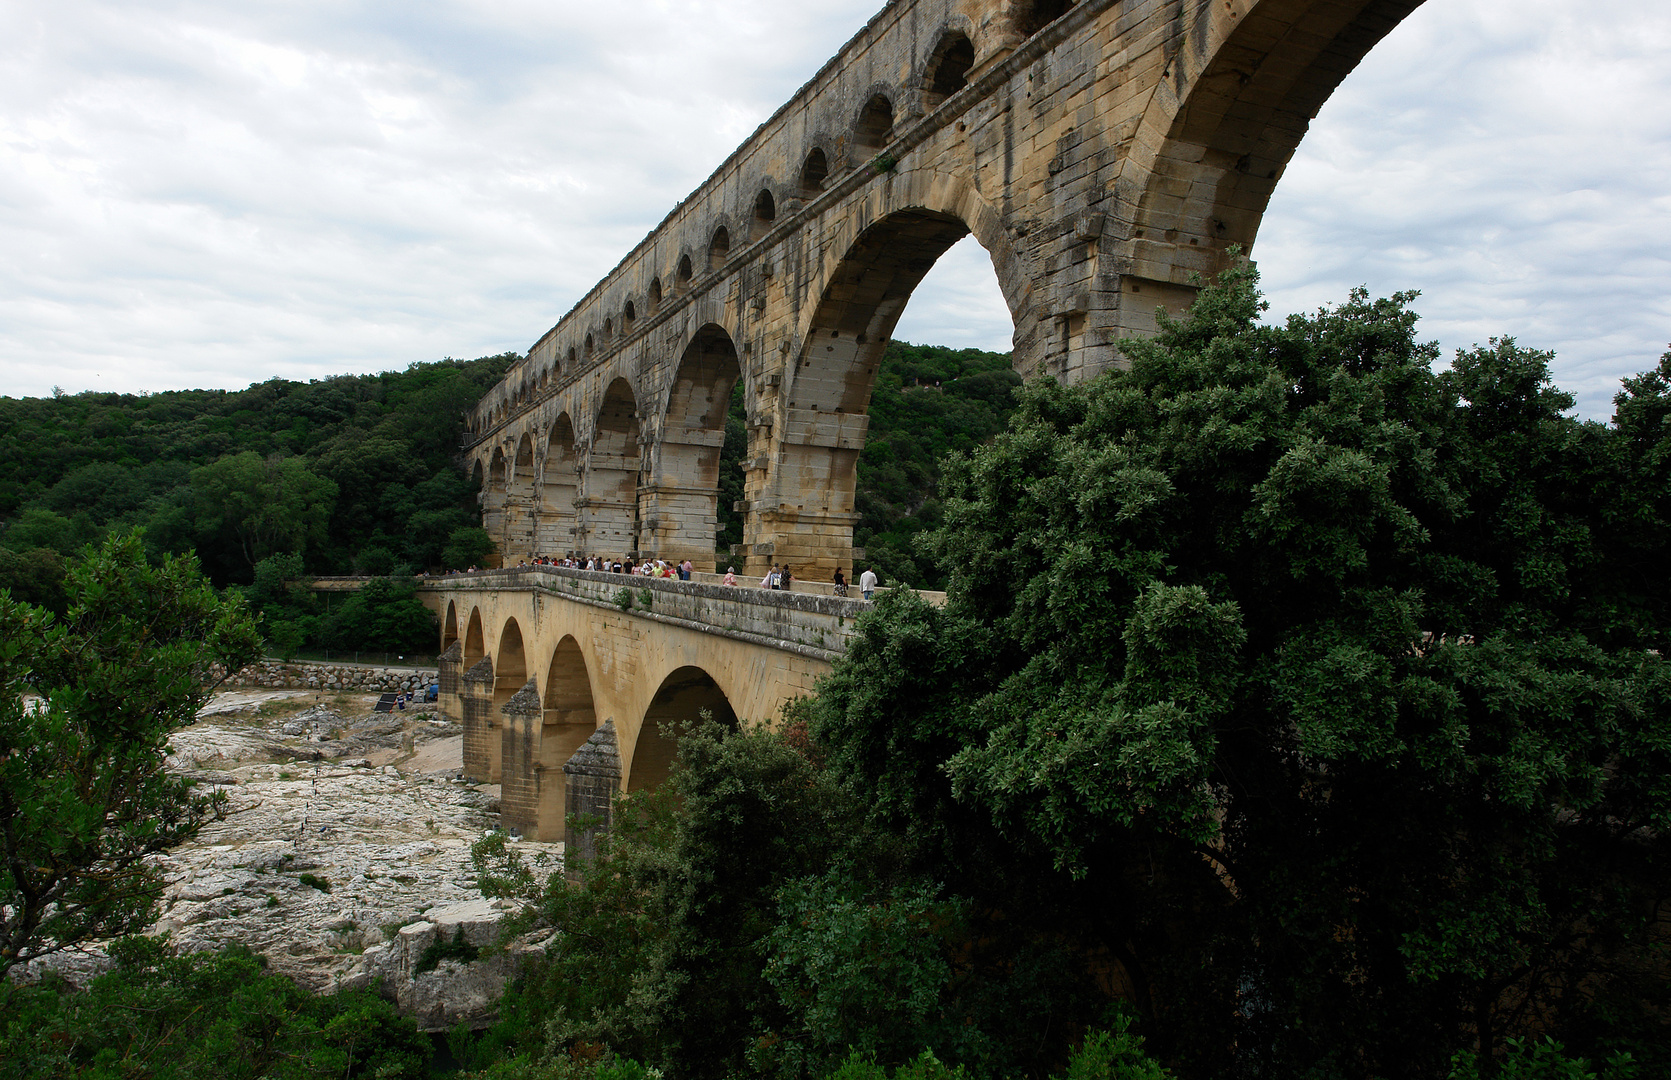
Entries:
{"x":815,"y":172}
{"x":571,"y":356}
{"x":680,"y":701}
{"x":608,"y":329}
{"x":1031,"y":16}
{"x":765,"y":212}
{"x":876,"y":123}
{"x":653,"y":295}
{"x":588,"y":346}
{"x":719,"y":248}
{"x":948,"y":66}
{"x":449,"y":626}
{"x":683,"y":273}
{"x":629,"y":314}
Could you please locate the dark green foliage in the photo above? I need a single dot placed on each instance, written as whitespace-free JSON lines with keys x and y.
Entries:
{"x":928,"y":401}
{"x":386,"y":611}
{"x":1324,"y":691}
{"x":438,"y":950}
{"x":313,"y":881}
{"x":75,"y":466}
{"x":84,"y":799}
{"x":35,"y":576}
{"x":745,"y":921}
{"x":204,"y":1016}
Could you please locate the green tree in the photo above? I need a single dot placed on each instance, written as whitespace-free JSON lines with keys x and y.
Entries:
{"x":89,"y":700}
{"x":201,"y":1016}
{"x":270,"y":504}
{"x":384,"y":615}
{"x":1321,"y":683}
{"x":35,"y":576}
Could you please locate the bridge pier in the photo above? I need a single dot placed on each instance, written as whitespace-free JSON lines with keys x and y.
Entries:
{"x":481,"y":730}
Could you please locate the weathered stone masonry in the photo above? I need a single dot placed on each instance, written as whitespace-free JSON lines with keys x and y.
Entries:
{"x":1103,"y":153}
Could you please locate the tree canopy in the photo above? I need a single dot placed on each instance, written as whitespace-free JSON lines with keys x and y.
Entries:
{"x":87,"y":702}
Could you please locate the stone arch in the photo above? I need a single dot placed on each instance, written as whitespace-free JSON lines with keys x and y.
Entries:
{"x":609,"y":507}
{"x":682,"y":503}
{"x":554,"y":533}
{"x":875,"y":124}
{"x":449,"y":626}
{"x":805,"y":511}
{"x":1237,"y":104}
{"x":947,"y":70}
{"x":653,"y":294}
{"x":521,"y":499}
{"x":493,"y":497}
{"x":475,"y":643}
{"x":536,"y":804}
{"x":589,"y":345}
{"x":719,"y":248}
{"x":1031,"y":16}
{"x":510,"y":671}
{"x":629,"y":315}
{"x":571,"y":359}
{"x":682,"y":275}
{"x":815,"y":171}
{"x":765,"y":212}
{"x":679,"y":701}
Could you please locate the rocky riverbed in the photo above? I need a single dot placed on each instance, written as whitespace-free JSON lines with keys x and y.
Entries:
{"x":344,"y":851}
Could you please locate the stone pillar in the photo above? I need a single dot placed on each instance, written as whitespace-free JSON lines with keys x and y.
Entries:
{"x":449,"y":676}
{"x":520,"y":759}
{"x":476,"y":714}
{"x":592,"y":777}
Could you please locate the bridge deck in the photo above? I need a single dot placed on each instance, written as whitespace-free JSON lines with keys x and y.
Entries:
{"x":812,"y":624}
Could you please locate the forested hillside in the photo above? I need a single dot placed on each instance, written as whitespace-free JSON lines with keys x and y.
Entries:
{"x":357,"y":471}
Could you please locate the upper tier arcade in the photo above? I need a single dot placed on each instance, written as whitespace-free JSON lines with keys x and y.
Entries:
{"x":1104,"y":153}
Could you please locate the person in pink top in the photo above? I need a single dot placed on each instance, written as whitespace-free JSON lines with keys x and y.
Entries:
{"x":731,"y":575}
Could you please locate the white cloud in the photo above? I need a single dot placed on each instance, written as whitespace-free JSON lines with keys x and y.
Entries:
{"x":202,"y":194}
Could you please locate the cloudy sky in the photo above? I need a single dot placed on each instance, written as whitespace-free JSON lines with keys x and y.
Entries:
{"x":197,"y":193}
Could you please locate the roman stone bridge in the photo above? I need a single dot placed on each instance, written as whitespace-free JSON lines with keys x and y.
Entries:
{"x":1103,"y":152}
{"x":536,"y":661}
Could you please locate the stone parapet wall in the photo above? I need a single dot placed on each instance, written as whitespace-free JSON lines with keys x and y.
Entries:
{"x":813,"y":623}
{"x":277,"y":675}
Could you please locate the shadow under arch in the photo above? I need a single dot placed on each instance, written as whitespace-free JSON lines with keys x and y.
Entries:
{"x":610,"y":504}
{"x":678,"y":703}
{"x":554,"y":528}
{"x":449,"y":626}
{"x":475,"y":645}
{"x":808,"y":505}
{"x":682,"y":516}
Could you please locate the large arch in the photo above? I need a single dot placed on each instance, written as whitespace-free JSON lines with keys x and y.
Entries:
{"x":679,"y":701}
{"x":521,"y":499}
{"x":510,"y":671}
{"x":493,"y":501}
{"x":449,"y":626}
{"x":475,"y":646}
{"x":803,"y":513}
{"x":609,"y":508}
{"x":682,"y":502}
{"x":569,"y":719}
{"x":1210,"y":151}
{"x":554,"y":533}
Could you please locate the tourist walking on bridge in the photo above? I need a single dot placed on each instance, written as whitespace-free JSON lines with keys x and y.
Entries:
{"x":867,"y":583}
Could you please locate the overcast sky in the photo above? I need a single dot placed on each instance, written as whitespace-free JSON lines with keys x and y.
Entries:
{"x":196,"y":193}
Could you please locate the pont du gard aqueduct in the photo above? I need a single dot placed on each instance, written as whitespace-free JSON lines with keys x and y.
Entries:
{"x":1107,"y":154}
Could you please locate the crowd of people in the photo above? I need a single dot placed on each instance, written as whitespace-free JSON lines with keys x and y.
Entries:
{"x":779,"y":577}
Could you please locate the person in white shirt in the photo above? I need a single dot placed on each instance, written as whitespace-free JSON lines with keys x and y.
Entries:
{"x":867,"y":582}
